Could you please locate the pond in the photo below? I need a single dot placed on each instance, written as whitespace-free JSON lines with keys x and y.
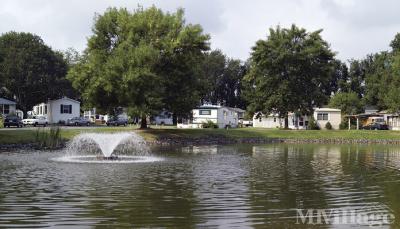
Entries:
{"x":243,"y":186}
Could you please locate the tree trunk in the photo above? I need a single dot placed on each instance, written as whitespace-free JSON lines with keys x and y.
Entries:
{"x":143,"y":123}
{"x":286,"y":122}
{"x":174,"y":119}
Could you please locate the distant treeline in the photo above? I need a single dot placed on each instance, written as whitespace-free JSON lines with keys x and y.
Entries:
{"x":149,"y":60}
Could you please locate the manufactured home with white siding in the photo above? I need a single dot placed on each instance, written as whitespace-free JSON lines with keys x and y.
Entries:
{"x":7,"y":107}
{"x":222,"y":116}
{"x":273,"y":120}
{"x":163,"y":118}
{"x":58,"y":110}
{"x":299,"y":122}
{"x":325,"y":115}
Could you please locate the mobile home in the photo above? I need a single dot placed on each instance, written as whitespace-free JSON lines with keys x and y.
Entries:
{"x":222,"y":116}
{"x":58,"y":110}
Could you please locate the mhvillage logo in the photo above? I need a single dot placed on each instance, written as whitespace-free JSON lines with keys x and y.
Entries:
{"x":366,"y":216}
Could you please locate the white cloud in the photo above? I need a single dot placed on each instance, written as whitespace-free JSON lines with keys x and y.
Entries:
{"x":354,"y":28}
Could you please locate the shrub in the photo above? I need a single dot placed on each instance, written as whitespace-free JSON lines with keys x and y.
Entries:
{"x":328,"y":126}
{"x":312,"y":124}
{"x":50,"y":139}
{"x":1,"y":122}
{"x":343,"y":125}
{"x":209,"y":124}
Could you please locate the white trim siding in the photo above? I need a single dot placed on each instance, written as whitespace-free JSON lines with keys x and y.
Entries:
{"x":220,"y":115}
{"x":321,"y":116}
{"x":58,"y":110}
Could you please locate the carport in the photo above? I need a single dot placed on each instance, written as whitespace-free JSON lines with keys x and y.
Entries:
{"x":360,"y":117}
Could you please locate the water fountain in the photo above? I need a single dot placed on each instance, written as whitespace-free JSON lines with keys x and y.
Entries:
{"x":120,"y":147}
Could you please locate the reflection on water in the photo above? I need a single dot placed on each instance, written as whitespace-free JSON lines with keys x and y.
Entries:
{"x":259,"y":186}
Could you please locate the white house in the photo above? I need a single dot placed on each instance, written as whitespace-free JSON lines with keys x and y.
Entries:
{"x":94,"y":117}
{"x":7,"y":107}
{"x":240,"y":112}
{"x":164,"y":118}
{"x":300,"y":122}
{"x":325,"y":115}
{"x":220,"y":115}
{"x":58,"y":110}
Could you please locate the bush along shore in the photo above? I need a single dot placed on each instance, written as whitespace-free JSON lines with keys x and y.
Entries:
{"x":57,"y":138}
{"x":223,"y":141}
{"x":265,"y":136}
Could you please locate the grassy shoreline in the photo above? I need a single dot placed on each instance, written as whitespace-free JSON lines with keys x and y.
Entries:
{"x":27,"y":136}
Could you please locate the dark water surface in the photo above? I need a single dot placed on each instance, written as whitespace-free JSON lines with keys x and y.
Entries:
{"x":245,"y":186}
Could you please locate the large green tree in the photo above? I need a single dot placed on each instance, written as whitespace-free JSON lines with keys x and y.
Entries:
{"x":391,"y":98}
{"x":378,"y":77}
{"x":30,"y":71}
{"x":146,"y":60}
{"x":223,"y":79}
{"x":290,"y":72}
{"x":395,"y":43}
{"x":340,"y":78}
{"x":381,"y":73}
{"x":348,"y":102}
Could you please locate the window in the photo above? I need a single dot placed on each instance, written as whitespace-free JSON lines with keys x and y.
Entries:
{"x":301,"y":121}
{"x":65,"y":109}
{"x":6,"y":109}
{"x":205,"y":112}
{"x":274,"y":119}
{"x":40,"y":110}
{"x":45,"y":109}
{"x":322,"y":116}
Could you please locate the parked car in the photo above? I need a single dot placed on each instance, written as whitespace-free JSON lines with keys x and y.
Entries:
{"x":116,"y":121}
{"x":13,"y":121}
{"x":35,"y":121}
{"x":247,"y":123}
{"x":78,"y":121}
{"x":376,"y":126}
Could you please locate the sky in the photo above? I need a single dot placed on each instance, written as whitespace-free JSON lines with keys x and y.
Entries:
{"x":353,"y":28}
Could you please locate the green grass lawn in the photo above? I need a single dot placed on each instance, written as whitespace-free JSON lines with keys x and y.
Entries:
{"x":274,"y":133}
{"x":11,"y":136}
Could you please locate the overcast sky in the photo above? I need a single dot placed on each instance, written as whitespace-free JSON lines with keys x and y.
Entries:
{"x":354,"y":28}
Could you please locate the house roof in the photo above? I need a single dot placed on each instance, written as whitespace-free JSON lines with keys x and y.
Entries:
{"x":365,"y":115}
{"x":7,"y":102}
{"x":66,"y":98}
{"x":63,"y":98}
{"x":326,"y":109}
{"x":260,"y":114}
{"x":209,"y":106}
{"x":238,"y":109}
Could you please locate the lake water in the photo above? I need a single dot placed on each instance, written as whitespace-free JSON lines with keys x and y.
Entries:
{"x":243,"y":186}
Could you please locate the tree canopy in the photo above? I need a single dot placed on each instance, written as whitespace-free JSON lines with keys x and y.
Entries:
{"x":290,"y":71}
{"x":347,"y":102}
{"x":223,"y":80}
{"x":30,"y":71}
{"x":379,"y":76}
{"x":375,"y":80}
{"x":147,"y":60}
